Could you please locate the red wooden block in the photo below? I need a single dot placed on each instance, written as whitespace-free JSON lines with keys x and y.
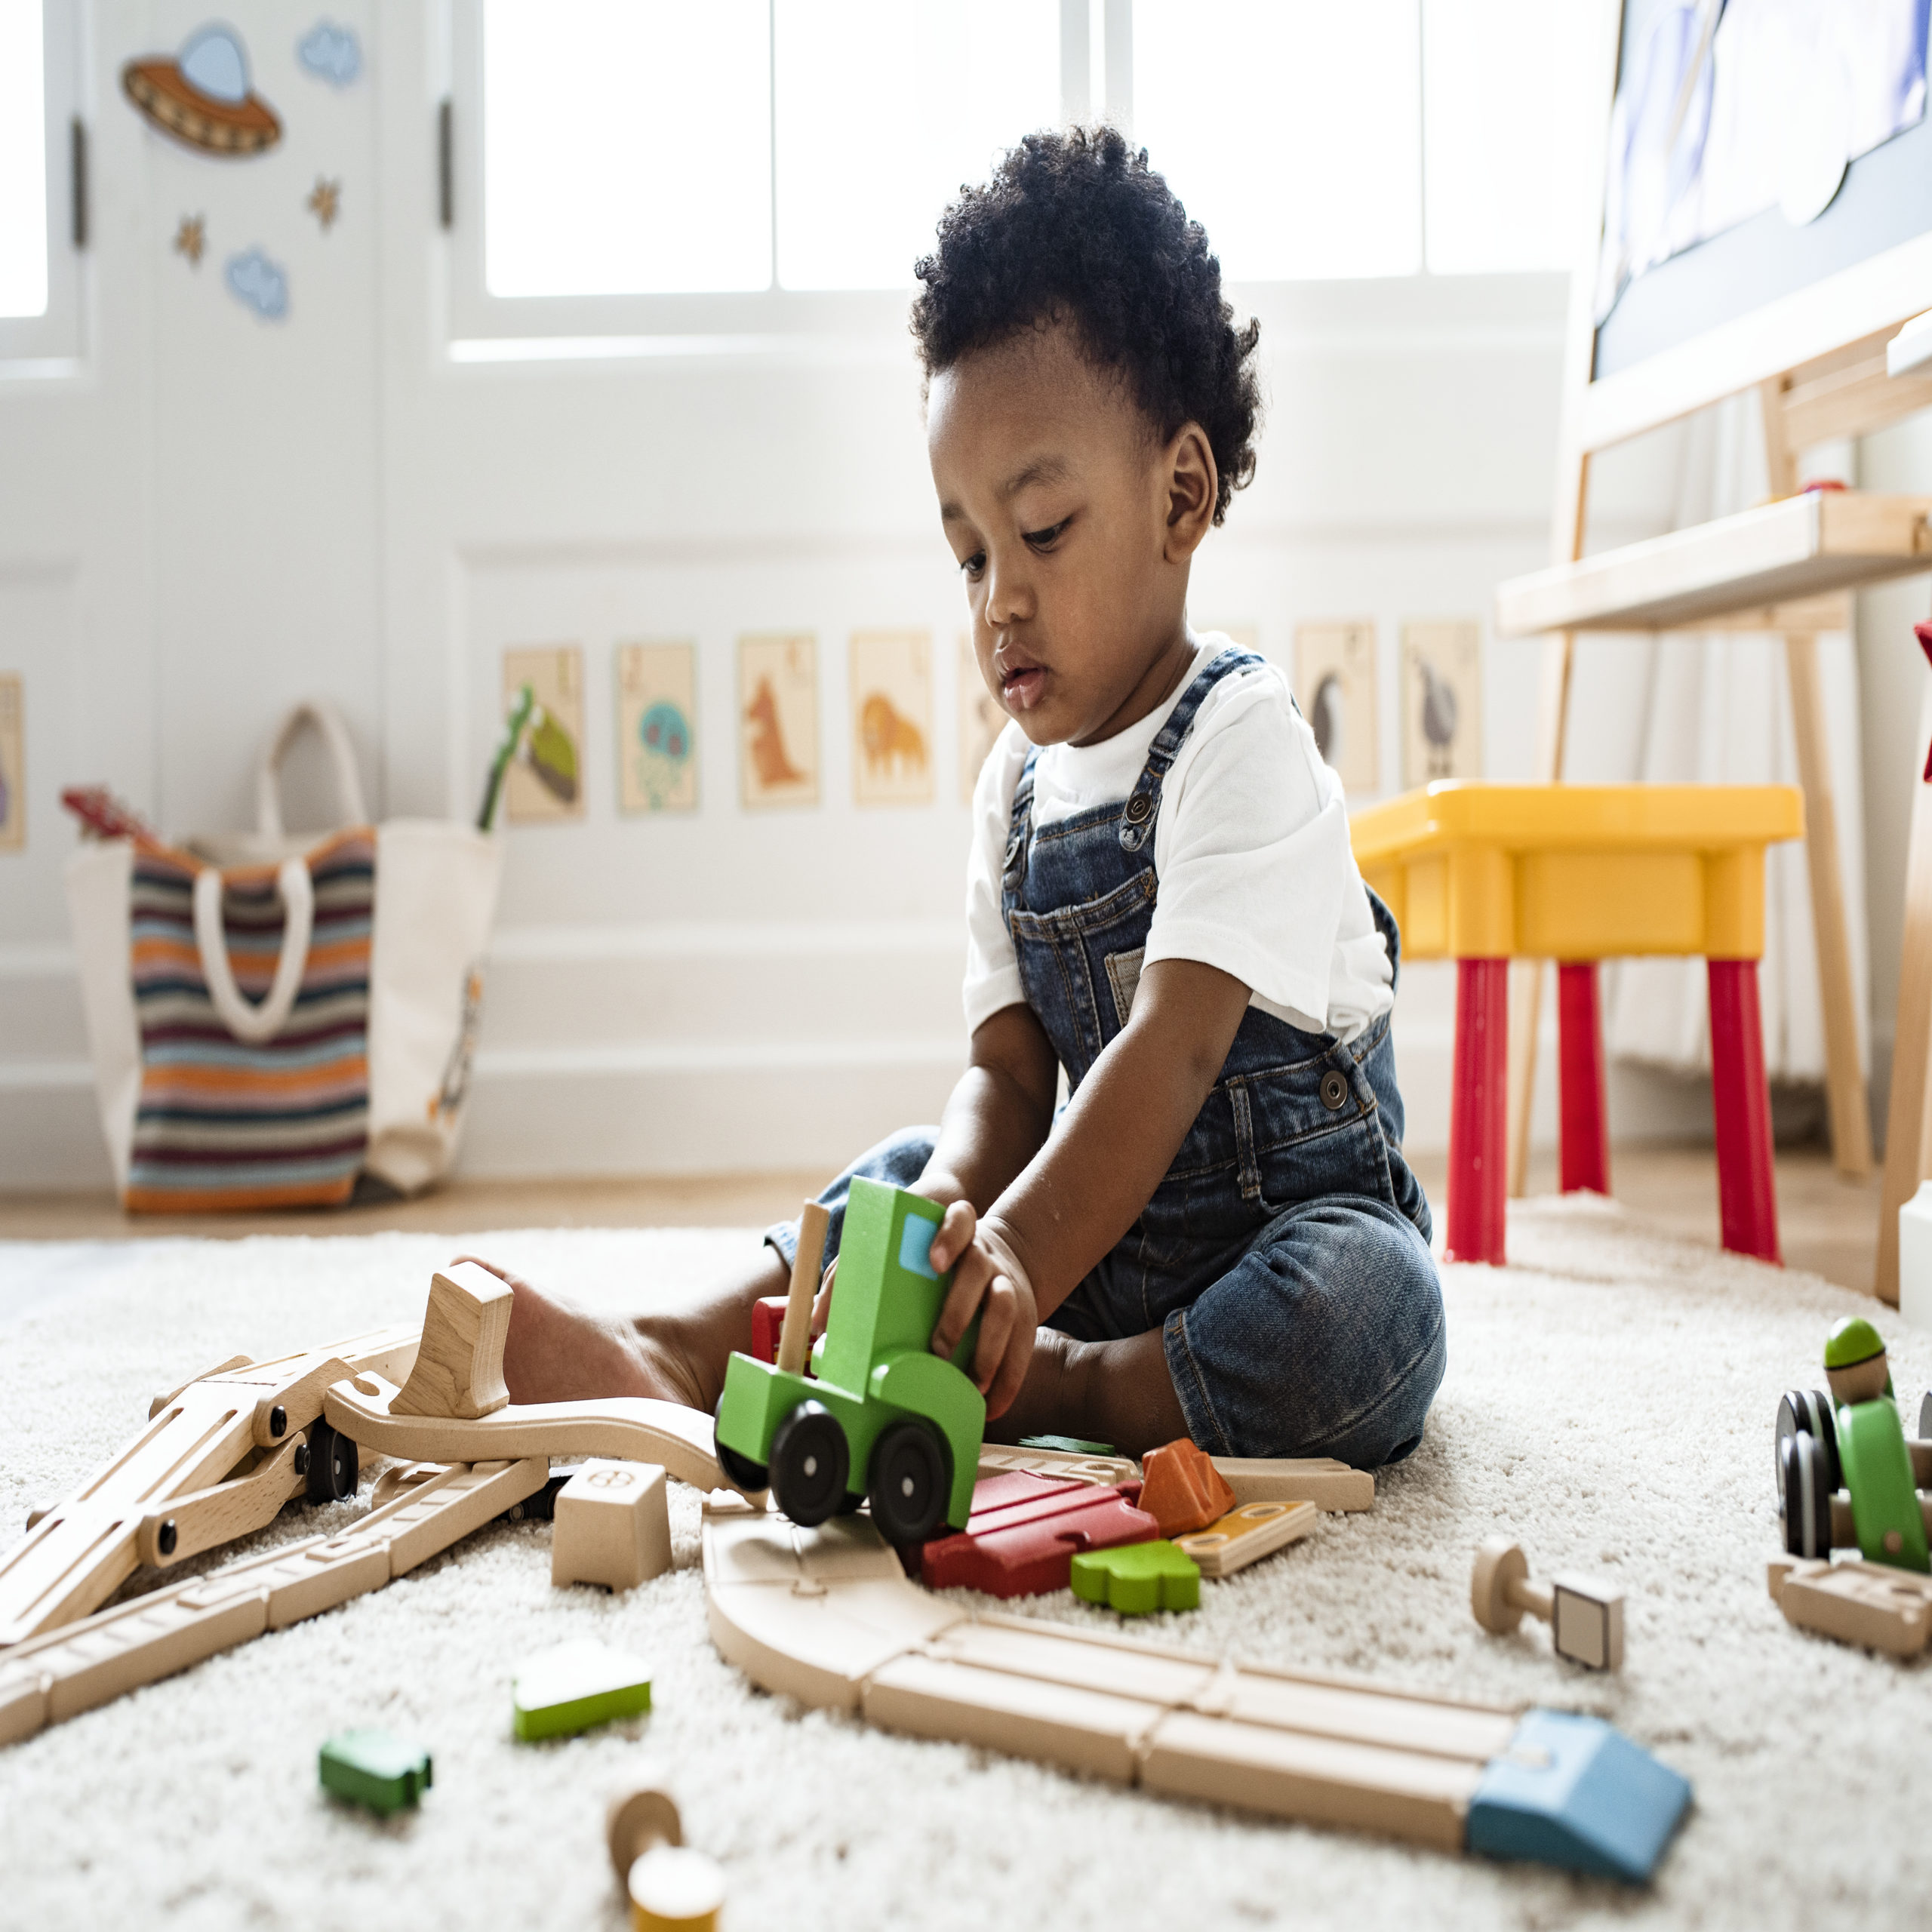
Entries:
{"x":1181,"y":1490}
{"x":1025,"y":1530}
{"x":767,"y":1319}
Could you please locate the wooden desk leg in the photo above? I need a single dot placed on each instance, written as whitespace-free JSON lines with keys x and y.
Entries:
{"x":1582,"y":1107}
{"x":1908,"y":1144}
{"x":1741,"y":1102}
{"x":1479,"y":1113}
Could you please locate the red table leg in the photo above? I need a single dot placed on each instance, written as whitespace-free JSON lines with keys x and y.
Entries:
{"x":1747,"y":1190}
{"x":1479,"y":1112}
{"x":1583,"y":1134}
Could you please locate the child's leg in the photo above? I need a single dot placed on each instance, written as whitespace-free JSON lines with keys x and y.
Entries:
{"x":555,"y":1353}
{"x":1325,"y":1338}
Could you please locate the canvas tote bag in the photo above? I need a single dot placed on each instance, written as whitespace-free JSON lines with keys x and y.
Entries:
{"x":270,"y":1017}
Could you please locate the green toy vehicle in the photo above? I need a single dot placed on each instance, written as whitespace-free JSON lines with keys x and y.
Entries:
{"x":881,"y":1419}
{"x":1853,"y":1437}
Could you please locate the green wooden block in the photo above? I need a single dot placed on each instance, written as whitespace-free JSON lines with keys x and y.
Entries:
{"x":373,"y":1768}
{"x":1138,"y":1577}
{"x":1071,"y":1445}
{"x":560,"y":1692}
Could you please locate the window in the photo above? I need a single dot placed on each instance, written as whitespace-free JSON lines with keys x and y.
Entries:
{"x":39,"y":263}
{"x":758,"y":166}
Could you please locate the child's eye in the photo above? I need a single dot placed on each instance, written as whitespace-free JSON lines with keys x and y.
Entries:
{"x":1044,"y":539}
{"x":973,"y":564}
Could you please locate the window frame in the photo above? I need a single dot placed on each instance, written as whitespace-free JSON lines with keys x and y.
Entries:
{"x":859,"y":324}
{"x":51,"y":344}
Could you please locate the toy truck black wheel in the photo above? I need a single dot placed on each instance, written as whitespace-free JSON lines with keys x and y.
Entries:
{"x":810,"y":1459}
{"x":333,"y":1468}
{"x":1807,"y":1412}
{"x":749,"y":1476}
{"x":1807,"y":1496}
{"x":909,"y":1483}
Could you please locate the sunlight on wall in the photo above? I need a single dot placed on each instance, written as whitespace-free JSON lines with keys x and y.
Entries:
{"x":23,"y":162}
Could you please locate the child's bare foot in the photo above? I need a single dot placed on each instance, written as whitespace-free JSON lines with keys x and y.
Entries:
{"x":1120,"y":1392}
{"x":557,"y":1353}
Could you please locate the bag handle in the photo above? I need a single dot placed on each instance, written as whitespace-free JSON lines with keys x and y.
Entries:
{"x":256,"y":1024}
{"x":334,"y":735}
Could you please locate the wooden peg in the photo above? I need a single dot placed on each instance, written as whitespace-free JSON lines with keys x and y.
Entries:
{"x":667,"y":1885}
{"x":795,"y":1336}
{"x":1585,"y":1618}
{"x":459,"y":1368}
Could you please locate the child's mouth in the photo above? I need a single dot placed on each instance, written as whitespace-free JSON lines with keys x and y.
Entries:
{"x":1021,"y":686}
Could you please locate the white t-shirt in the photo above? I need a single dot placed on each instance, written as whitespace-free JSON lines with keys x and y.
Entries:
{"x":1251,"y":848}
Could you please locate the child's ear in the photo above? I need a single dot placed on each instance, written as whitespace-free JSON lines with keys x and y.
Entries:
{"x":1191,"y":481}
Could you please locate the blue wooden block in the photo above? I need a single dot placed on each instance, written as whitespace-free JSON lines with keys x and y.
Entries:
{"x":1572,"y":1791}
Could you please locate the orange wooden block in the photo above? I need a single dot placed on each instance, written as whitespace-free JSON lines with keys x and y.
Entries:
{"x":1181,"y":1490}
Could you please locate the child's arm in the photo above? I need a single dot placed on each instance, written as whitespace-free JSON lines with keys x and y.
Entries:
{"x":1077,"y":1195}
{"x":999,"y":1115}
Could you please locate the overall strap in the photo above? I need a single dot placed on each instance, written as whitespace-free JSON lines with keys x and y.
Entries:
{"x":1143,"y":804}
{"x":1022,"y":823}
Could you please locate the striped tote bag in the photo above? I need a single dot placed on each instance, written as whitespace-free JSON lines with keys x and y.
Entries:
{"x":271,"y":1018}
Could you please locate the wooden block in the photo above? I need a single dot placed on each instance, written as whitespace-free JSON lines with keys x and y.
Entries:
{"x":632,"y":1427}
{"x":1246,"y":1534}
{"x":1320,"y":1480}
{"x":459,"y":1368}
{"x":576,"y":1686}
{"x":1137,"y":1579}
{"x":1025,"y":1530}
{"x":1181,"y":1490}
{"x":613,"y":1526}
{"x":1871,"y":1603}
{"x":1000,"y":1458}
{"x":374,"y":1768}
{"x":767,"y":1325}
{"x":672,"y":1888}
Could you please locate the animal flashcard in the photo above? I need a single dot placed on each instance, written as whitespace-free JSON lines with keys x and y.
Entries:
{"x":1335,"y":686}
{"x":658,"y":727}
{"x":892,"y":718}
{"x":1441,"y":701}
{"x":778,"y":720}
{"x":981,"y":720}
{"x":13,"y":765}
{"x":545,"y":782}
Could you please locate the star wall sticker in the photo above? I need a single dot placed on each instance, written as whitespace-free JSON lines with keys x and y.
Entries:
{"x":191,"y":238}
{"x":324,"y":201}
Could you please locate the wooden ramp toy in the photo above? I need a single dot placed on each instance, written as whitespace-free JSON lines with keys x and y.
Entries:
{"x":460,"y":1368}
{"x":49,"y":1679}
{"x":827,"y":1617}
{"x":219,"y":1458}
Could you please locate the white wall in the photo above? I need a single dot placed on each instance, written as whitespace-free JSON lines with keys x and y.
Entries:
{"x":220,"y":514}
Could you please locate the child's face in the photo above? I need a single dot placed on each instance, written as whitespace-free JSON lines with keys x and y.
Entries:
{"x":1074,"y":528}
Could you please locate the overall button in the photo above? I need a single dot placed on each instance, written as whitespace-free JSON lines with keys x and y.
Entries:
{"x":1334,"y":1091}
{"x":1138,"y":807}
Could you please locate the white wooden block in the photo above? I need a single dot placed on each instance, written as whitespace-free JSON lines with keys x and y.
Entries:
{"x":613,"y":1526}
{"x":1916,"y":1258}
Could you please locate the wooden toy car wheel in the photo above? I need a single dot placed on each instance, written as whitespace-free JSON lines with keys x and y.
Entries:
{"x":908,"y":1484}
{"x":1804,"y":1479}
{"x":1807,"y":1412}
{"x":749,"y":1476}
{"x":333,"y":1467}
{"x":810,"y":1462}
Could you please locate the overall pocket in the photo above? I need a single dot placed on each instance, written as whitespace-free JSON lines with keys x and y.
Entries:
{"x":1308,"y":1130}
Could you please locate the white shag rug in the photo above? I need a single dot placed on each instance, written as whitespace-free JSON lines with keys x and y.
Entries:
{"x":1609,"y":1402}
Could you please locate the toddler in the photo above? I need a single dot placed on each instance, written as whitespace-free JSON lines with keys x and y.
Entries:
{"x":1217,"y":1236}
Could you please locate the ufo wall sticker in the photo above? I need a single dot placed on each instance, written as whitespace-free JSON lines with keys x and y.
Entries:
{"x":203,"y":98}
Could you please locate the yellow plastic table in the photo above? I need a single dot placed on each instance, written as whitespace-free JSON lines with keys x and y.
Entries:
{"x":1483,"y":874}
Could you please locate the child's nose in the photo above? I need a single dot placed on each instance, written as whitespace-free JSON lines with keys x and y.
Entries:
{"x":1009,"y":593}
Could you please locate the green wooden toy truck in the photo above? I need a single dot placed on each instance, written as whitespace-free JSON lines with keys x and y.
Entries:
{"x":881,"y":1418}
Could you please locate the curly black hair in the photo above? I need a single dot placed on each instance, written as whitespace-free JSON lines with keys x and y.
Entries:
{"x":1078,"y":227}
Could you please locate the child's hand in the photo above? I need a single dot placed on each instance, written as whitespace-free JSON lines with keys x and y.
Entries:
{"x":987,"y":1280}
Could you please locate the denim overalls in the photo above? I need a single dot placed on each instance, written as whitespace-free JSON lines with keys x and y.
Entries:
{"x":1284,"y":1255}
